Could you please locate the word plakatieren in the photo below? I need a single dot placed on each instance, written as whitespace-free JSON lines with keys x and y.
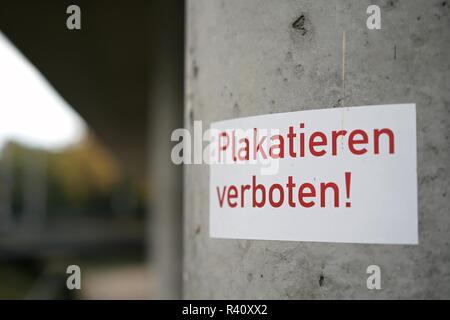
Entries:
{"x":298,"y":144}
{"x":248,"y":145}
{"x":306,"y":194}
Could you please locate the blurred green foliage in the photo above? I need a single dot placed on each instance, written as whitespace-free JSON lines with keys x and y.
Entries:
{"x":82,"y":178}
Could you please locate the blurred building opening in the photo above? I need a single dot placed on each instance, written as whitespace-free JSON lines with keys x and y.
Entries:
{"x":123,"y":73}
{"x":64,"y":197}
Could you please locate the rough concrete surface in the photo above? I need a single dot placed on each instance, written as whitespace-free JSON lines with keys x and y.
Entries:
{"x":253,"y":57}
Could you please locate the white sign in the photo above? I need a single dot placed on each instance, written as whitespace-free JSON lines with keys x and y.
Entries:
{"x":332,"y":175}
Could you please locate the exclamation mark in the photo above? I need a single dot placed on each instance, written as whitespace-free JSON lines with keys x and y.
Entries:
{"x":348,"y":178}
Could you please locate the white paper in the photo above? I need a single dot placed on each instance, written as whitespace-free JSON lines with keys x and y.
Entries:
{"x":383,"y":187}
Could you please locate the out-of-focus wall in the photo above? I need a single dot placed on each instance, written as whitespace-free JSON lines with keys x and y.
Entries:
{"x":246,"y":58}
{"x":165,"y":115}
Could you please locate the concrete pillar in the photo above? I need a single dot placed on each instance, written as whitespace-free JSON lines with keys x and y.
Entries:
{"x":6,"y":192}
{"x":34,"y":190}
{"x":165,"y":178}
{"x":252,"y":57}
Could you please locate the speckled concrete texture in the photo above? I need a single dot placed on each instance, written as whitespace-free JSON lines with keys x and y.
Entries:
{"x":253,"y":57}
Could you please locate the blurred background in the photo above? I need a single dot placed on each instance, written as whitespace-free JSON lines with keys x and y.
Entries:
{"x":80,"y":112}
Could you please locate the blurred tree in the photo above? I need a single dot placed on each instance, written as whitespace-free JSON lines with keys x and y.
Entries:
{"x":81,"y":178}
